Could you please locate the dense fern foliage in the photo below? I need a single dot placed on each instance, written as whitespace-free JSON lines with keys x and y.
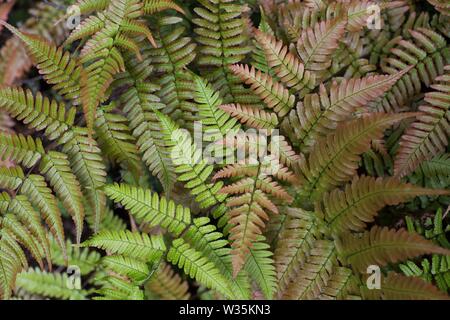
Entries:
{"x":225,"y":149}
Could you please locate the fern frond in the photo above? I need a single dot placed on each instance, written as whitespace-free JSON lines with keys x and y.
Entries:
{"x":133,"y":244}
{"x":197,"y":266}
{"x":203,"y":237}
{"x":10,"y":264}
{"x":260,"y":267}
{"x":215,"y":122}
{"x":21,"y":149}
{"x":38,"y":193}
{"x":274,"y":94}
{"x":398,"y":287}
{"x":319,"y":114}
{"x":381,"y":246}
{"x":170,"y":59}
{"x":149,"y":208}
{"x":85,"y":259}
{"x":24,"y":236}
{"x":135,"y":270}
{"x":314,"y":274}
{"x":139,"y":104}
{"x":437,"y":271}
{"x":87,"y":164}
{"x":294,"y":242}
{"x":89,"y":6}
{"x":287,"y":67}
{"x":51,"y":285}
{"x":251,"y":116}
{"x":153,"y":6}
{"x":58,"y":67}
{"x":436,"y":171}
{"x":335,"y":158}
{"x":168,"y":285}
{"x":223,"y":42}
{"x":338,"y":286}
{"x":193,"y":170}
{"x":359,"y":202}
{"x":317,"y":44}
{"x":429,"y":134}
{"x":55,"y":167}
{"x":441,"y":6}
{"x":117,"y":288}
{"x":116,"y":141}
{"x":37,"y":112}
{"x":427,"y":53}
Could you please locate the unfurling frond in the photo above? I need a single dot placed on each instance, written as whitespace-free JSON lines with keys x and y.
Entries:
{"x":381,"y":246}
{"x":359,"y":202}
{"x":429,"y":134}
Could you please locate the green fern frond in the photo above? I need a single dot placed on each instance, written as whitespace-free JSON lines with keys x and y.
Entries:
{"x":138,"y":104}
{"x":135,"y":245}
{"x":203,"y":237}
{"x":87,"y":164}
{"x":86,"y":260}
{"x":223,"y":42}
{"x":37,"y":112}
{"x":197,"y":266}
{"x":115,"y":139}
{"x":216,"y":123}
{"x":170,"y":60}
{"x":51,"y":285}
{"x":260,"y":267}
{"x":189,"y":164}
{"x":149,"y":208}
{"x":58,"y":67}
